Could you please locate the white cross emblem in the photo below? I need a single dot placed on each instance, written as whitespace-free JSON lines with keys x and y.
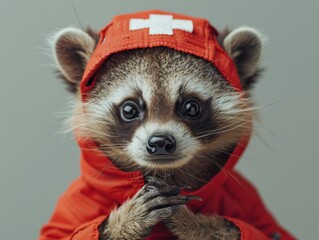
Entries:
{"x":161,"y":24}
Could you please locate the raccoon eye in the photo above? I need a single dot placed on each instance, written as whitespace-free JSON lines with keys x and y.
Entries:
{"x":130,"y":111}
{"x":191,"y":109}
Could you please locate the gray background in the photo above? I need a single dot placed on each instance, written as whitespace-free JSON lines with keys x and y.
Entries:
{"x":37,"y":164}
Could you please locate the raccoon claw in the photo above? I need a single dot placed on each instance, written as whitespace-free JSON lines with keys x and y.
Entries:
{"x":160,"y":199}
{"x":170,"y":190}
{"x":166,"y":189}
{"x":193,"y":197}
{"x":149,"y":187}
{"x":187,"y":187}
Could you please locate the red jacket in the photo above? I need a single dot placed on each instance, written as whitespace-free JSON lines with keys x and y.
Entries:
{"x":103,"y":187}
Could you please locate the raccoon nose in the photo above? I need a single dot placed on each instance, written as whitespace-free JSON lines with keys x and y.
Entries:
{"x":161,"y":145}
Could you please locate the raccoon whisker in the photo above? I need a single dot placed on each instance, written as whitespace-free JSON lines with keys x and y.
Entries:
{"x":115,"y":144}
{"x":90,"y":131}
{"x":111,"y":146}
{"x":230,"y":125}
{"x":226,"y":152}
{"x":184,"y":133}
{"x":85,"y":127}
{"x":139,"y":138}
{"x":66,"y":114}
{"x":130,"y":163}
{"x":249,"y":109}
{"x":239,"y":124}
{"x":215,"y":162}
{"x":91,"y":135}
{"x":232,"y":154}
{"x":94,"y":150}
{"x":219,"y":131}
{"x":263,"y":141}
{"x":65,"y":137}
{"x":211,"y":132}
{"x":173,"y":176}
{"x":265,"y":128}
{"x":190,"y":175}
{"x":129,"y":167}
{"x":231,"y":120}
{"x":168,"y":173}
{"x":171,"y":172}
{"x":145,"y":172}
{"x":105,"y":149}
{"x":159,"y":173}
{"x":221,"y":167}
{"x":237,"y":111}
{"x":229,"y":174}
{"x":95,"y":176}
{"x":78,"y":124}
{"x":223,"y":170}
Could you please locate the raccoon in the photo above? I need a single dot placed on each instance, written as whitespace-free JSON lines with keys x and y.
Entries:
{"x":168,"y":114}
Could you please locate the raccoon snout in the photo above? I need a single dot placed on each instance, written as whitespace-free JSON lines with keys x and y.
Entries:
{"x":161,"y":144}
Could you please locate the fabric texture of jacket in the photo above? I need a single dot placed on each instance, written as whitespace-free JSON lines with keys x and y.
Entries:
{"x":102,"y":187}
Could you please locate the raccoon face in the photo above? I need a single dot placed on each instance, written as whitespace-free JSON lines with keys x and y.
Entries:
{"x":159,"y":108}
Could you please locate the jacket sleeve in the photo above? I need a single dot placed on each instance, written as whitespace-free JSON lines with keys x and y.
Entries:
{"x":260,"y":224}
{"x":78,"y":221}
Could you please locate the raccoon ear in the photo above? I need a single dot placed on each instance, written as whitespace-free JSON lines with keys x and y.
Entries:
{"x":72,"y":48}
{"x":244,"y":45}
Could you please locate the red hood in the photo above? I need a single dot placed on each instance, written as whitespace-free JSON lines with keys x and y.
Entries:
{"x":97,"y":169}
{"x":117,"y":36}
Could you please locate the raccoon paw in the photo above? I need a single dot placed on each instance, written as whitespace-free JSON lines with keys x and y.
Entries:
{"x":189,"y":226}
{"x":155,"y":202}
